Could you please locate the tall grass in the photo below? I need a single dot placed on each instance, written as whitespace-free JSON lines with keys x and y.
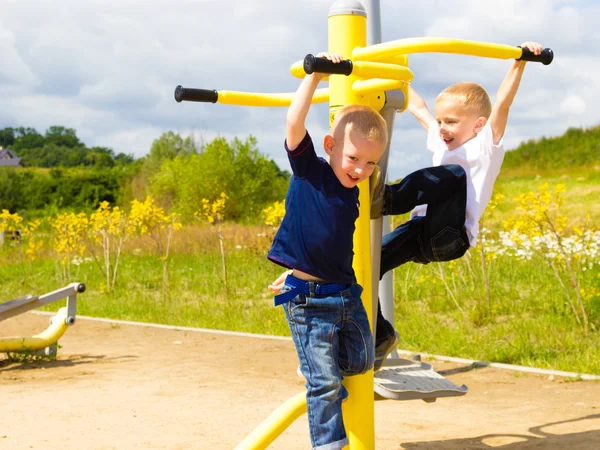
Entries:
{"x":530,"y":323}
{"x":196,"y":295}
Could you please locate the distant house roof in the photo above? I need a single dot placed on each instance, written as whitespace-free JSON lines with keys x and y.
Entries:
{"x":8,"y":158}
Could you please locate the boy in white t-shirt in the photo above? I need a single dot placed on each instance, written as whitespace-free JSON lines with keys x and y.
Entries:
{"x":465,"y":137}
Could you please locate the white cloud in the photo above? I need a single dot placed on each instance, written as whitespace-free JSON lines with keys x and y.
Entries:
{"x":109,"y":68}
{"x":573,"y":104}
{"x":12,"y":68}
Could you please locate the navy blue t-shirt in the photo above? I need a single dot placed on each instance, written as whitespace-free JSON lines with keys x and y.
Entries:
{"x":315,"y":235}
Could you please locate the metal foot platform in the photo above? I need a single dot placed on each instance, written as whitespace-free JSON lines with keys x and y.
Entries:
{"x":403,"y":379}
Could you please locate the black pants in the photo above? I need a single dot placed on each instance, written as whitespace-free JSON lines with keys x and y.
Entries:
{"x":438,"y":236}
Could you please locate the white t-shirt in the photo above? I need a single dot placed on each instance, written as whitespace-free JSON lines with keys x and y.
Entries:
{"x":481,"y":160}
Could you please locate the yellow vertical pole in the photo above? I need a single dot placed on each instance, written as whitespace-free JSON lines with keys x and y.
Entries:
{"x":347,"y":30}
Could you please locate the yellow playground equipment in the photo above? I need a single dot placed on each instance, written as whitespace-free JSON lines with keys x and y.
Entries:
{"x":375,"y":75}
{"x":46,"y":341}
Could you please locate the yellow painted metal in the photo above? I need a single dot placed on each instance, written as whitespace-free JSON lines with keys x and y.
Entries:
{"x":364,"y":69}
{"x":363,"y":87}
{"x":374,"y":99}
{"x":275,"y":424}
{"x":39,"y":341}
{"x":258,"y":99}
{"x":383,"y":52}
{"x":395,"y":70}
{"x":399,"y":59}
{"x":347,"y":31}
{"x":297,"y":69}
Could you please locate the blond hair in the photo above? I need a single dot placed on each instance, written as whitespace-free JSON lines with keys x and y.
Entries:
{"x":470,"y":95}
{"x":362,"y":120}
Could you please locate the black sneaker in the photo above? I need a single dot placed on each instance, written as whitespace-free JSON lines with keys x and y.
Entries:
{"x":384,"y":349}
{"x":376,"y":190}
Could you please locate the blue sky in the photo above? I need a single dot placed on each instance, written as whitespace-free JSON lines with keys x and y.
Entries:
{"x":108,"y":68}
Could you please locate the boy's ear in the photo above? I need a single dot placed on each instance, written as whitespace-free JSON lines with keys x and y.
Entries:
{"x":328,"y":144}
{"x":479,"y":124}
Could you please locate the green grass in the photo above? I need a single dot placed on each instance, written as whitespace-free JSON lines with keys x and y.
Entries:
{"x":582,"y":185}
{"x":531,"y":322}
{"x":195,"y":297}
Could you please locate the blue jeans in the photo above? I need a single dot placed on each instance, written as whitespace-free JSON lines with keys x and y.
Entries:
{"x":439,"y":236}
{"x":333,"y":339}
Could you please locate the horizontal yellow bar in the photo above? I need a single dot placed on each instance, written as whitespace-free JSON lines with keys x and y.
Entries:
{"x":393,"y":69}
{"x":297,"y":69}
{"x":363,"y":87}
{"x":46,"y":338}
{"x":386,"y":50}
{"x":363,"y":69}
{"x":257,"y":99}
{"x":399,"y":59}
{"x":275,"y":424}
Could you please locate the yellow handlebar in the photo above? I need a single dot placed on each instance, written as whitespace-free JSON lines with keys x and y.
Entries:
{"x":379,"y":67}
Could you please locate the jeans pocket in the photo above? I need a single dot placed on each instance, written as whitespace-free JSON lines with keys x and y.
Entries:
{"x":448,"y":244}
{"x":352,"y":291}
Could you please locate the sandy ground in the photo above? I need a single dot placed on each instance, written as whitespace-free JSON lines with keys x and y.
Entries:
{"x":136,"y":387}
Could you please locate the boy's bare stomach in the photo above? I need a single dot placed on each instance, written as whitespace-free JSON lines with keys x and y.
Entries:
{"x":306,"y":276}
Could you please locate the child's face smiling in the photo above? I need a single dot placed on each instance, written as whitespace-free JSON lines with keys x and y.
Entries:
{"x":457,"y":123}
{"x":355,"y":160}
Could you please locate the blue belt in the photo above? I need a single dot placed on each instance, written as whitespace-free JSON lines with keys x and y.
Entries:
{"x":307,"y":288}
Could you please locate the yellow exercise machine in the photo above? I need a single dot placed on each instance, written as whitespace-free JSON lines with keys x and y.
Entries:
{"x":375,"y":75}
{"x":45,"y":341}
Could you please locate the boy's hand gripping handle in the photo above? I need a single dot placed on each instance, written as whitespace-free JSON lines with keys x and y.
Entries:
{"x":545,"y":57}
{"x":323,"y":65}
{"x":195,"y":95}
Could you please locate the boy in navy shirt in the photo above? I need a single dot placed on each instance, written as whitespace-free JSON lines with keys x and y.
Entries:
{"x":321,"y":298}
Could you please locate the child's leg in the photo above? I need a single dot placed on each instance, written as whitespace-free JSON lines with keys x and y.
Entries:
{"x":355,"y":355}
{"x":402,"y":245}
{"x":312,"y":322}
{"x":445,"y":237}
{"x":443,"y":189}
{"x":432,"y":185}
{"x":398,"y":247}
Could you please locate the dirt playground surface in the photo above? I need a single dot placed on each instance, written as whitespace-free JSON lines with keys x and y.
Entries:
{"x":117,"y":386}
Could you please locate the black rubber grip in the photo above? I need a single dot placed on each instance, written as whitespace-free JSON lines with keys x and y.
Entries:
{"x":196,"y":95}
{"x":545,"y":57}
{"x":81,"y":288}
{"x":323,"y":65}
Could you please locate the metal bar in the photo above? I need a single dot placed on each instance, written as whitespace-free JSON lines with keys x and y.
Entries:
{"x":364,"y":87}
{"x":20,"y":306}
{"x":48,"y":337}
{"x":258,"y":99}
{"x":264,"y":434}
{"x":389,"y":71}
{"x":382,"y":52}
{"x":347,"y":30}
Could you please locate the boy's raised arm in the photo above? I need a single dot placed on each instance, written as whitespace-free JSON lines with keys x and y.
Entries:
{"x":506,"y":94}
{"x":418,"y":108}
{"x":298,"y":110}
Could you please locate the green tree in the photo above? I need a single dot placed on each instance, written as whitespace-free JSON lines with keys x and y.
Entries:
{"x":237,"y":168}
{"x":7,"y":137}
{"x":27,"y":138}
{"x":170,"y":145}
{"x":123,"y":159}
{"x":99,"y":158}
{"x":62,"y":136}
